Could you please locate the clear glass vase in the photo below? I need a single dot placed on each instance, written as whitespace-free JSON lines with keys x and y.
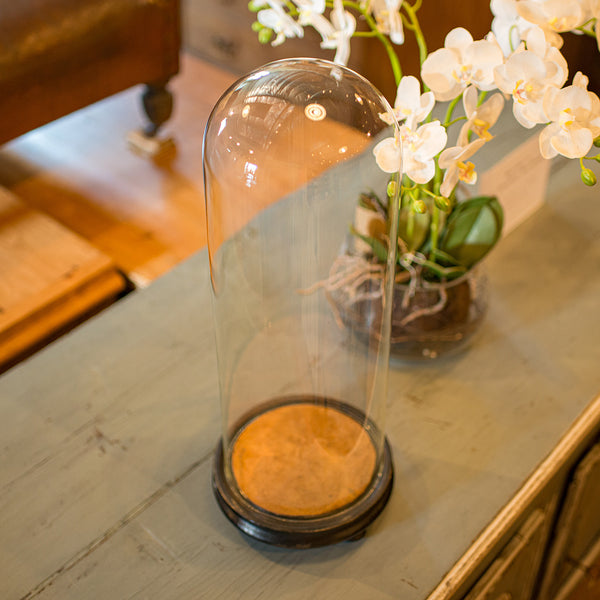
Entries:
{"x":429,"y":319}
{"x":303,"y":458}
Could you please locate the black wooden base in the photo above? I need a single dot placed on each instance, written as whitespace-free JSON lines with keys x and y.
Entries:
{"x":348,"y":523}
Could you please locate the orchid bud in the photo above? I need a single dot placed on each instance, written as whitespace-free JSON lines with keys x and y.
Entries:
{"x":443,"y":203}
{"x":392,"y":187}
{"x":254,"y":6}
{"x":264,"y":35}
{"x":597,"y":142}
{"x":588,"y":177}
{"x":256,"y":26}
{"x":419,"y":206}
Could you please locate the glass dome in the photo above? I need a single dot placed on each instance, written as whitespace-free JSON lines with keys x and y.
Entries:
{"x":288,"y":167}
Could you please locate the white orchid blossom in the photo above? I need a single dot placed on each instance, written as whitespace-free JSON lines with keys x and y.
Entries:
{"x":462,"y":62}
{"x":575,"y":115}
{"x":528,"y":74}
{"x":507,"y":25}
{"x":344,"y":26}
{"x":419,"y":147}
{"x":553,"y":16}
{"x":520,"y":57}
{"x":310,"y":13}
{"x":410,"y":105}
{"x":388,"y":18}
{"x":457,"y":169}
{"x":280,"y":22}
{"x":479,"y":118}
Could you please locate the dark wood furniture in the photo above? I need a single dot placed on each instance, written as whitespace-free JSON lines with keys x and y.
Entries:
{"x":57,"y":56}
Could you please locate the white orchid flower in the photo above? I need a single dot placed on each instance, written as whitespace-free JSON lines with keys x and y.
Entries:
{"x":418,"y":149}
{"x":462,"y":62}
{"x":527,"y":74}
{"x":410,"y":105}
{"x":310,"y":13}
{"x":553,"y":16}
{"x":479,"y":118}
{"x":507,"y":25}
{"x":575,"y":116}
{"x":457,"y":169}
{"x":344,"y":26}
{"x":388,"y":19}
{"x":280,"y":22}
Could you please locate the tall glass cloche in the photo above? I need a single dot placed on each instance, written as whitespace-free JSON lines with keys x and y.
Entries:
{"x":301,"y":306}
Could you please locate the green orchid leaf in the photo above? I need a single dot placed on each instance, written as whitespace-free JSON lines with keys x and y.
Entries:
{"x":378,"y":247}
{"x":472,"y":230}
{"x":445,"y":257}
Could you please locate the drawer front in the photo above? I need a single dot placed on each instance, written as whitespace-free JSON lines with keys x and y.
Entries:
{"x":220,"y":30}
{"x":578,"y":527}
{"x":513,"y":573}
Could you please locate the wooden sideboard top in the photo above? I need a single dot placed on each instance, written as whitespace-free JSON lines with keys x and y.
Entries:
{"x":108,"y":435}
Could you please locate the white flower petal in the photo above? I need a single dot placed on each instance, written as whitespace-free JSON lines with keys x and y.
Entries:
{"x":449,"y":182}
{"x":409,"y":91}
{"x":546,"y":149}
{"x":458,"y":38}
{"x":437,"y":72}
{"x":420,"y":171}
{"x":449,"y":156}
{"x":433,"y":138}
{"x":470,"y":98}
{"x":388,"y":155}
{"x":574,"y":144}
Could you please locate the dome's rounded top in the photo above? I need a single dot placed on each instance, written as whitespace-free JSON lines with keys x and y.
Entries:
{"x":296,"y":112}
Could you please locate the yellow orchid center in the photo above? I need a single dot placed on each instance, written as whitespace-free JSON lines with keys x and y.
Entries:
{"x":566,"y":118}
{"x":522,"y":91}
{"x":557,"y":24}
{"x":410,"y":140}
{"x":463,"y":74}
{"x":382,"y":20}
{"x":481,"y":128}
{"x":466,"y":172}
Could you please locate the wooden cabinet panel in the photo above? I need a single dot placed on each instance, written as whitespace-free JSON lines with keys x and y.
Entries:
{"x":512,"y":575}
{"x":578,"y":527}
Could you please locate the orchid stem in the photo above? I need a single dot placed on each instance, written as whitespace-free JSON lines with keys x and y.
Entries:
{"x":450,"y":111}
{"x":392,"y":56}
{"x":411,"y":11}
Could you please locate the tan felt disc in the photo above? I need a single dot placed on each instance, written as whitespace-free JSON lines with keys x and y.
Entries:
{"x":303,"y":460}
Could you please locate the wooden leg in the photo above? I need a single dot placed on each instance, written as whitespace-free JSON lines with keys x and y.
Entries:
{"x":157,"y":101}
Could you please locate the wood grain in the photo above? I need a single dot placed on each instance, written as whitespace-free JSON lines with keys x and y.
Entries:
{"x":146,"y":215}
{"x":50,"y":278}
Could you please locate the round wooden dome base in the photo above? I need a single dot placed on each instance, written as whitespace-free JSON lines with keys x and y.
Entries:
{"x":303,"y":531}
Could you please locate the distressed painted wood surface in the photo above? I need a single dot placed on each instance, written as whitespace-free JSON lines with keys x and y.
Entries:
{"x":107,"y":438}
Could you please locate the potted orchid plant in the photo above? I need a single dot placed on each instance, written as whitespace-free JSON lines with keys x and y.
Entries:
{"x":443,"y":237}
